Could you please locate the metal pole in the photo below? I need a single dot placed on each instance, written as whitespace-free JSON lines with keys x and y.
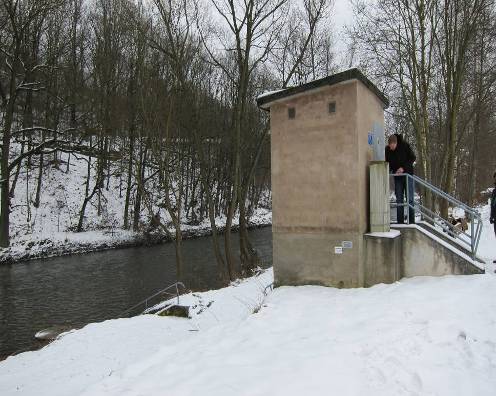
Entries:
{"x":472,"y":245}
{"x":407,"y":199}
{"x":413,"y":199}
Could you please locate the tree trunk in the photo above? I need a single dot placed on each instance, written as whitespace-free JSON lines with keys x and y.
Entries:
{"x":129,"y":182}
{"x":86,"y":195}
{"x":5,"y":172}
{"x":36,"y":202}
{"x":137,"y":200}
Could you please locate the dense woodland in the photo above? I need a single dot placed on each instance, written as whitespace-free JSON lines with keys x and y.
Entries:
{"x":436,"y":60}
{"x":161,"y":94}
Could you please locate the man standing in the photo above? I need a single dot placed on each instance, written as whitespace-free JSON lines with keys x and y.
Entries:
{"x":401,"y":158}
{"x":492,"y":217}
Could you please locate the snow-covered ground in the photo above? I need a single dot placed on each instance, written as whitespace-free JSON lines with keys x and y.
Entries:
{"x":419,"y":336}
{"x":487,"y":245}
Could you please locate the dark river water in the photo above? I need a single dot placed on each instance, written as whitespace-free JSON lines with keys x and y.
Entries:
{"x":76,"y":290}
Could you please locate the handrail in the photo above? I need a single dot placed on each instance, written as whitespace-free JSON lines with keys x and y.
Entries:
{"x":470,"y":240}
{"x":443,"y":194}
{"x":160,"y":292}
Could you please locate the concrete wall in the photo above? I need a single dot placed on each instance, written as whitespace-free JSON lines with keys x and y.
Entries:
{"x":383,"y":258}
{"x":308,"y":258}
{"x":380,"y":216}
{"x":424,"y":255}
{"x":320,"y":184}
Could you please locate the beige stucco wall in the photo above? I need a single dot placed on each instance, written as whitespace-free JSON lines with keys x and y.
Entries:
{"x":310,"y":158}
{"x":320,"y":185}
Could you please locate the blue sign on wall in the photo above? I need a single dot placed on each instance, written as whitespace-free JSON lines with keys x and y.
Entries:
{"x":371,"y":139}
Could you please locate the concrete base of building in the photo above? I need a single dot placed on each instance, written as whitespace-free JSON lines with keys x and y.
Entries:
{"x":318,"y":258}
{"x":347,"y":261}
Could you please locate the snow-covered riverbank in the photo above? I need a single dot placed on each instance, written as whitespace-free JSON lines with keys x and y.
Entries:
{"x":50,"y":244}
{"x":48,"y":229}
{"x":419,"y":336}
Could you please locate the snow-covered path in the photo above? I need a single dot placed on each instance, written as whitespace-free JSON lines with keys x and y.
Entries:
{"x":419,"y":336}
{"x":487,"y":245}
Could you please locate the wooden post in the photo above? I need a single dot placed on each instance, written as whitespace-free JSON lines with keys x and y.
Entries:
{"x":379,"y":197}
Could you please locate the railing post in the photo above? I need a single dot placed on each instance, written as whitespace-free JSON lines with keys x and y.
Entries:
{"x":472,"y":245}
{"x":407,"y":188}
{"x":413,"y":198}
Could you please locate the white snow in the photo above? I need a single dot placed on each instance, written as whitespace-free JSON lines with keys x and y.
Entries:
{"x":487,"y":244}
{"x":268,"y":93}
{"x":419,"y":336}
{"x":390,"y":234}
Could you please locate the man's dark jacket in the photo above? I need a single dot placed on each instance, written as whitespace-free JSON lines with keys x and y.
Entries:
{"x":402,"y":157}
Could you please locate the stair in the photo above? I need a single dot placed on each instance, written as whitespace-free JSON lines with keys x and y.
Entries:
{"x":446,"y":238}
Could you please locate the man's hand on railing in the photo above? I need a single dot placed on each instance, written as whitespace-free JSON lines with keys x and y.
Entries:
{"x":400,"y":171}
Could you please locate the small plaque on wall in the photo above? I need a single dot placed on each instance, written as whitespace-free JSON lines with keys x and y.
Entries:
{"x":338,"y":250}
{"x":347,"y":244}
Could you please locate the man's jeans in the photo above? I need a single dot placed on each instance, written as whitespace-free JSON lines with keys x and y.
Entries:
{"x":400,"y":191}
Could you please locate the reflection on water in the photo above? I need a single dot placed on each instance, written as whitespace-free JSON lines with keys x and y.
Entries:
{"x":79,"y":289}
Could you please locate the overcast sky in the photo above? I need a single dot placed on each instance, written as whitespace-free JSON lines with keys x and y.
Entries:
{"x":342,"y":15}
{"x":342,"y":12}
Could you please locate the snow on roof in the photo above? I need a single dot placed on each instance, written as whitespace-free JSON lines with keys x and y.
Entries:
{"x":268,"y":93}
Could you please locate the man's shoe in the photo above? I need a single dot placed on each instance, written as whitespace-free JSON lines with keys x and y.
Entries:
{"x":494,"y":262}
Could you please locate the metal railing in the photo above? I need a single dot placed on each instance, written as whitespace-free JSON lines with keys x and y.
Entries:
{"x":162,"y":293}
{"x":470,"y":241}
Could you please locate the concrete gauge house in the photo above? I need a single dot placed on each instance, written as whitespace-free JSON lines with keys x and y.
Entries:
{"x":324,"y":136}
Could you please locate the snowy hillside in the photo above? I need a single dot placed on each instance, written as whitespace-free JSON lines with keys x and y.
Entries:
{"x":49,"y":229}
{"x":62,"y":195}
{"x":419,"y":336}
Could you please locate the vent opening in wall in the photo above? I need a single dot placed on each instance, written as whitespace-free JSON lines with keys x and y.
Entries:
{"x":291,"y":112}
{"x":332,"y":107}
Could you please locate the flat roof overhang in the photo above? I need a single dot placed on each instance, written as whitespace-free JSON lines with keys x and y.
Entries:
{"x":264,"y":101}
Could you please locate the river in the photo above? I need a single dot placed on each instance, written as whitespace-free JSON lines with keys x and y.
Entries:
{"x":80,"y":289}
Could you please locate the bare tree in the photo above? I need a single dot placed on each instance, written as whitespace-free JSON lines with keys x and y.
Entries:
{"x":18,"y":20}
{"x":460,"y":21}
